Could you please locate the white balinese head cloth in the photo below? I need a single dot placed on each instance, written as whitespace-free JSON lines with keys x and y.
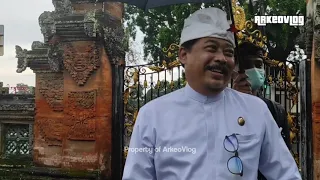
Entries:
{"x":208,"y":22}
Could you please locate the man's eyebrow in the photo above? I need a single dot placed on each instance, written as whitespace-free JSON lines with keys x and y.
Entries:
{"x":210,"y":41}
{"x":228,"y":44}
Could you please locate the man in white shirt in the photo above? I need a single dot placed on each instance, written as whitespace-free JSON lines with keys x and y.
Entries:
{"x":206,"y":131}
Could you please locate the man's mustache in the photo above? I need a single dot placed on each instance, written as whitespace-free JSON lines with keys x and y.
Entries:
{"x":219,"y":67}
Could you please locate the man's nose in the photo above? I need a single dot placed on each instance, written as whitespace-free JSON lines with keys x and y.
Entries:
{"x":220,"y":57}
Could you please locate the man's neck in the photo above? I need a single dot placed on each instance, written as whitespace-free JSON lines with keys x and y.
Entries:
{"x":204,"y":91}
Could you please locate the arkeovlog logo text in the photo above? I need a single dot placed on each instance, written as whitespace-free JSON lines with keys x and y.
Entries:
{"x":291,"y":20}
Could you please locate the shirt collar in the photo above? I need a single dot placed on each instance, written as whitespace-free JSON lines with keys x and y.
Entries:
{"x":191,"y":93}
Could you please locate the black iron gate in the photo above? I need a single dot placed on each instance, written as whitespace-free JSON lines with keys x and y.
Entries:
{"x":143,"y":83}
{"x":282,"y":86}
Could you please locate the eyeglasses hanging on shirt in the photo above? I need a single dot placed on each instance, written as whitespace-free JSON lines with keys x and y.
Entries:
{"x":234,"y":164}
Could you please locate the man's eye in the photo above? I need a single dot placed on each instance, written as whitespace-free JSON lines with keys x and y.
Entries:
{"x":212,"y":48}
{"x":229,"y":53}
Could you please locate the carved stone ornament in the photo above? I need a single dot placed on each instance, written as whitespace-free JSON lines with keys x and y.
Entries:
{"x":55,"y":56}
{"x":309,"y":37}
{"x":316,"y":31}
{"x":46,"y":23}
{"x":114,"y":44}
{"x":37,"y":45}
{"x":81,"y":64}
{"x":316,"y":36}
{"x":17,"y":107}
{"x":317,"y":16}
{"x":90,"y":24}
{"x":80,"y":113}
{"x":62,"y":7}
{"x":51,"y":87}
{"x":47,"y":19}
{"x":51,"y":130}
{"x":105,"y":25}
{"x":111,"y":29}
{"x":21,"y":54}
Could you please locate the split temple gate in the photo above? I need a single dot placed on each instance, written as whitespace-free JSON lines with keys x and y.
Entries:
{"x":74,"y":68}
{"x":86,"y":100}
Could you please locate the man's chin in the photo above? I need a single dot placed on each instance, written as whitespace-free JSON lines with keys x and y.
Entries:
{"x":217,"y":85}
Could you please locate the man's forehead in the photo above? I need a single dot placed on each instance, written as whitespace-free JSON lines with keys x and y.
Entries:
{"x":220,"y":42}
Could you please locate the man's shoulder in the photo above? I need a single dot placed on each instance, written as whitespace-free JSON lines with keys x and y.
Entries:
{"x":246,"y":99}
{"x":275,"y":104}
{"x":247,"y":102}
{"x":278,"y":111}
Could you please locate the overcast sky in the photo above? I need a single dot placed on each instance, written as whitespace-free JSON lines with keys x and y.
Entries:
{"x":20,"y":20}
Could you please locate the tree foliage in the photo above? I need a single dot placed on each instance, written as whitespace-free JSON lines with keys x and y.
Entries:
{"x":284,"y":35}
{"x":162,"y":26}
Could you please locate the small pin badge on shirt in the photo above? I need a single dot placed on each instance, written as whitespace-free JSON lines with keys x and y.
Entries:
{"x":241,"y":121}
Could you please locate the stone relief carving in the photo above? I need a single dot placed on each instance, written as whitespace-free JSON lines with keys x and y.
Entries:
{"x":17,"y":107}
{"x":81,"y":64}
{"x":317,"y":16}
{"x":46,"y":23}
{"x":317,"y":32}
{"x":114,"y":38}
{"x":37,"y":45}
{"x":51,"y":52}
{"x":90,"y":24}
{"x":47,"y":19}
{"x":21,"y":54}
{"x":55,"y":55}
{"x":309,"y":37}
{"x":51,"y":130}
{"x":80,"y":113}
{"x":316,"y":36}
{"x":114,"y":44}
{"x":62,"y":7}
{"x":51,"y":87}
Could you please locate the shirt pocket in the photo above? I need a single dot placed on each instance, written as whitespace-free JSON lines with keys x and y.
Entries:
{"x":249,"y":151}
{"x":248,"y":144}
{"x":242,"y":139}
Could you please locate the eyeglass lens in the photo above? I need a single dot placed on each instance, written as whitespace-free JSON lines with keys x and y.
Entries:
{"x":234,"y":163}
{"x":231,"y":143}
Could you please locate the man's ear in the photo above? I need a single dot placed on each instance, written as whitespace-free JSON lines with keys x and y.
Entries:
{"x":183,"y":55}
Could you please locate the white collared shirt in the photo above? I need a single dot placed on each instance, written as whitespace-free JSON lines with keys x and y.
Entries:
{"x":179,"y":136}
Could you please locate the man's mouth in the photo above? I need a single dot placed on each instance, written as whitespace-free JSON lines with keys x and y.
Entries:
{"x":217,"y":69}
